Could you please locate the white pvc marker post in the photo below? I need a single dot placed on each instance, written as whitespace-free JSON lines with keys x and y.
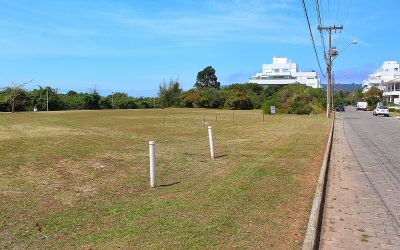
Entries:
{"x":152,"y":151}
{"x":210,"y":137}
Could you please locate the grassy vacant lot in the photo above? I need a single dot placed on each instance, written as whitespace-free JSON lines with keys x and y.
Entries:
{"x":79,"y":179}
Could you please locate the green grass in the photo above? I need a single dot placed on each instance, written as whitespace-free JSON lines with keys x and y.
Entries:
{"x":83,"y":177}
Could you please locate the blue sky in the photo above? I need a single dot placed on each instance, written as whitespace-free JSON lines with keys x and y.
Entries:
{"x":132,"y":46}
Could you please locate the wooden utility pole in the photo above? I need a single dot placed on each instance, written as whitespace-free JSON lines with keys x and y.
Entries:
{"x":328,"y":58}
{"x":333,"y":89}
{"x":47,"y":100}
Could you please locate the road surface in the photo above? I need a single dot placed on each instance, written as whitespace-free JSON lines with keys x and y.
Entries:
{"x":362,"y":209}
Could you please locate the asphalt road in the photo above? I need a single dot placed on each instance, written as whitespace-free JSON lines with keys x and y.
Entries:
{"x":362,"y":209}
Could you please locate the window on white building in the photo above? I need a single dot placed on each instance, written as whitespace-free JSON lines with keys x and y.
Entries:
{"x":276,"y":70}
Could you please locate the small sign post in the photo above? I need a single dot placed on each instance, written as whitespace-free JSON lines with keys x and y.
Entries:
{"x":273,"y":110}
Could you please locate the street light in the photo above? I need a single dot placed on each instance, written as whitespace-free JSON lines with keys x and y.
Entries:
{"x":348,"y":45}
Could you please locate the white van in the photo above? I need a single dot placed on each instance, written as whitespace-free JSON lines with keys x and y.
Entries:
{"x":362,"y":106}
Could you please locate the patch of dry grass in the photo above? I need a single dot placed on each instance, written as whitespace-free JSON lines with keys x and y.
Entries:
{"x":83,"y":177}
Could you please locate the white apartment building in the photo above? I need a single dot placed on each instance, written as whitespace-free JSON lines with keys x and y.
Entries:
{"x":283,"y":72}
{"x":386,"y":78}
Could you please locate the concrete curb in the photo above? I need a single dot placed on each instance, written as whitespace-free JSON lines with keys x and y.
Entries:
{"x":311,"y":239}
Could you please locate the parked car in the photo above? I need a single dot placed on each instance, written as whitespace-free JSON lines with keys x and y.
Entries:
{"x":381,"y":110}
{"x":362,"y":106}
{"x":340,"y":107}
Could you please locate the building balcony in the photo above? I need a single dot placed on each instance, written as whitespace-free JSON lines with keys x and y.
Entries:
{"x":390,"y":93}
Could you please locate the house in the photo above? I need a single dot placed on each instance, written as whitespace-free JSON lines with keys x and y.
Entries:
{"x":392,"y":91}
{"x":387,"y":79}
{"x":283,"y":72}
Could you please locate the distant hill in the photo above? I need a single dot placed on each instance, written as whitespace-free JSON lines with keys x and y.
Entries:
{"x":345,"y":87}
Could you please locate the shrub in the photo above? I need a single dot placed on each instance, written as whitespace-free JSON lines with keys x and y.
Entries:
{"x":239,"y":100}
{"x":211,"y":98}
{"x":169,"y":94}
{"x":266,"y":107}
{"x":296,"y":99}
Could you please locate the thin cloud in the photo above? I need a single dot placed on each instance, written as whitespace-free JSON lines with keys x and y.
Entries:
{"x":224,"y":21}
{"x":73,"y":29}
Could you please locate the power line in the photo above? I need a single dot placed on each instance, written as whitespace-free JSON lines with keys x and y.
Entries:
{"x":329,"y":11}
{"x":345,"y":19}
{"x":337,"y":12}
{"x":312,"y":37}
{"x":348,"y":11}
{"x":320,"y":24}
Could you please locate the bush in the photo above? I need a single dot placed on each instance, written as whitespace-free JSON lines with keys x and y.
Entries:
{"x":169,"y":94}
{"x":190,"y":99}
{"x":296,"y":99}
{"x":266,"y":107}
{"x":239,"y":100}
{"x":211,"y":98}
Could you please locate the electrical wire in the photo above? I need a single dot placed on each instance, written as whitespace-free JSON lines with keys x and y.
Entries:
{"x":337,"y":11}
{"x":345,"y":19}
{"x":312,"y":37}
{"x":348,"y":11}
{"x":320,"y":24}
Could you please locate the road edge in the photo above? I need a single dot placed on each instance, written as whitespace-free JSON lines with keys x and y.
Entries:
{"x":311,"y":239}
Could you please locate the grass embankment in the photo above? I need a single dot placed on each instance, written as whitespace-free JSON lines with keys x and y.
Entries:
{"x":79,"y":179}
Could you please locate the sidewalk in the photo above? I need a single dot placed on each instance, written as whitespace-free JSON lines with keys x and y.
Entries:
{"x":355,"y":217}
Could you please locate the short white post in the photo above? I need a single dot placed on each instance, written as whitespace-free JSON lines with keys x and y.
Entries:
{"x":210,"y":137}
{"x":152,"y":151}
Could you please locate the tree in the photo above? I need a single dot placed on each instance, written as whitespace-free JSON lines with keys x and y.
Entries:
{"x":253,"y":91}
{"x":373,"y":96}
{"x":239,"y":100}
{"x":359,"y":94}
{"x":210,"y":98}
{"x":191,"y":98}
{"x":39,"y":98}
{"x":207,"y":79}
{"x":122,"y":101}
{"x":15,"y":96}
{"x":92,"y":100}
{"x":73,"y":100}
{"x":339,"y":97}
{"x":146,"y":102}
{"x":169,"y":95}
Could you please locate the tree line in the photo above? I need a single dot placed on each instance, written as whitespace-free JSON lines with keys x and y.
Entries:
{"x":16,"y":98}
{"x":206,"y":93}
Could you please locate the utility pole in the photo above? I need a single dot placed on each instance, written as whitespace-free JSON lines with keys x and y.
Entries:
{"x":328,"y":59}
{"x":112,"y":100}
{"x":333,"y":89}
{"x":47,"y":100}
